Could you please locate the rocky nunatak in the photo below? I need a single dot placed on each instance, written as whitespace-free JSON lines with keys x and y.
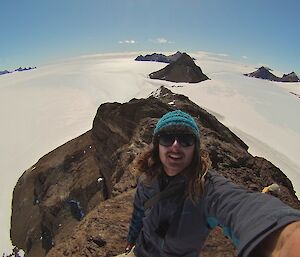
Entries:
{"x":159,"y":57}
{"x":265,"y":73}
{"x":183,"y":69}
{"x":77,"y":199}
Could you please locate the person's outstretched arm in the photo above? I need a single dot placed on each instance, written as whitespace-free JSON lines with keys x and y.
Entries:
{"x":282,"y":243}
{"x":255,"y":222}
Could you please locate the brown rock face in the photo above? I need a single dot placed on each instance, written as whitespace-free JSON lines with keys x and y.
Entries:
{"x":183,"y":69}
{"x":77,"y":199}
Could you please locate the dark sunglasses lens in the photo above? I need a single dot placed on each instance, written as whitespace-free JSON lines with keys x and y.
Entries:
{"x":166,"y":140}
{"x":186,"y":140}
{"x":183,"y":139}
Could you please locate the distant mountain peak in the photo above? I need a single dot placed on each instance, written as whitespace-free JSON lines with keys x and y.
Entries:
{"x":2,"y":72}
{"x":159,"y":57}
{"x":25,"y":69}
{"x":185,"y":59}
{"x":290,"y":77}
{"x":264,"y":73}
{"x":183,"y":69}
{"x":19,"y":69}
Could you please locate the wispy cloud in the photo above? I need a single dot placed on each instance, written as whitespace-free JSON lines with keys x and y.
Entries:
{"x":131,"y":41}
{"x":245,"y":57}
{"x":161,"y":40}
{"x":223,"y":55}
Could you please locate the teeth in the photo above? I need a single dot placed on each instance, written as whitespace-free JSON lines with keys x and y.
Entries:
{"x":175,"y":156}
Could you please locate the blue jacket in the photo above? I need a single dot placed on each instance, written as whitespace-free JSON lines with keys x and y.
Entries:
{"x":175,"y":227}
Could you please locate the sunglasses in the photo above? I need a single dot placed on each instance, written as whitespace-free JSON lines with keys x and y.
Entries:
{"x":184,"y":140}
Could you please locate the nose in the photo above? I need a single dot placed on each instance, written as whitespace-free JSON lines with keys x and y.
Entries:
{"x":175,"y":144}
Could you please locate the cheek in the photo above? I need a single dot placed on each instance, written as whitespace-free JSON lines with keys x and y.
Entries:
{"x":190,"y":154}
{"x":161,"y":151}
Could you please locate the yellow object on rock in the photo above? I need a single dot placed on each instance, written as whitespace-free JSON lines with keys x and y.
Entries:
{"x":272,"y":188}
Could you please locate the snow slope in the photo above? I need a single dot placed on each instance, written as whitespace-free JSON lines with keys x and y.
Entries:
{"x":44,"y":108}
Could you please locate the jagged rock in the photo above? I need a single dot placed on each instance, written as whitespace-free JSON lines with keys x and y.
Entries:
{"x":174,"y":57}
{"x":159,"y":57}
{"x":152,"y":57}
{"x":291,"y":77}
{"x":2,"y":72}
{"x":25,"y":69}
{"x":182,"y":70}
{"x":263,"y":73}
{"x":19,"y":69}
{"x":95,"y":171}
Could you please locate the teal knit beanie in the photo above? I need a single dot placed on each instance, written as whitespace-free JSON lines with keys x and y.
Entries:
{"x":177,"y":120}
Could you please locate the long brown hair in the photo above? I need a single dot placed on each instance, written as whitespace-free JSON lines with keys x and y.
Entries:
{"x":149,"y":164}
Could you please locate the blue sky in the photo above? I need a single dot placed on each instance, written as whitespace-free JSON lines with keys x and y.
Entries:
{"x":35,"y":32}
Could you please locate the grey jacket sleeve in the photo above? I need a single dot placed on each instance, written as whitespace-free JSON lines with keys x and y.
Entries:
{"x":246,"y":217}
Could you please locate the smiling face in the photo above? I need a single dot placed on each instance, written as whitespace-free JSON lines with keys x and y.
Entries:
{"x":175,"y":158}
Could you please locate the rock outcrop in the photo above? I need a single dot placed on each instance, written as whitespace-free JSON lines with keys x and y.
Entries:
{"x":159,"y":57}
{"x":2,"y":72}
{"x":291,"y":77}
{"x":25,"y":69}
{"x":77,"y":199}
{"x":183,"y":69}
{"x":264,"y":73}
{"x":19,"y":69}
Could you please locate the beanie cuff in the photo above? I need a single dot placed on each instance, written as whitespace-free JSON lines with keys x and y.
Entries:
{"x":177,"y":121}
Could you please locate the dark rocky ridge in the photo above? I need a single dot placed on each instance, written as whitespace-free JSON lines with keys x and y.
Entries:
{"x":182,"y":70}
{"x":19,"y":69}
{"x":264,"y":73}
{"x":43,"y":223}
{"x":290,"y":77}
{"x":2,"y":72}
{"x":159,"y":57}
{"x":25,"y":69}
